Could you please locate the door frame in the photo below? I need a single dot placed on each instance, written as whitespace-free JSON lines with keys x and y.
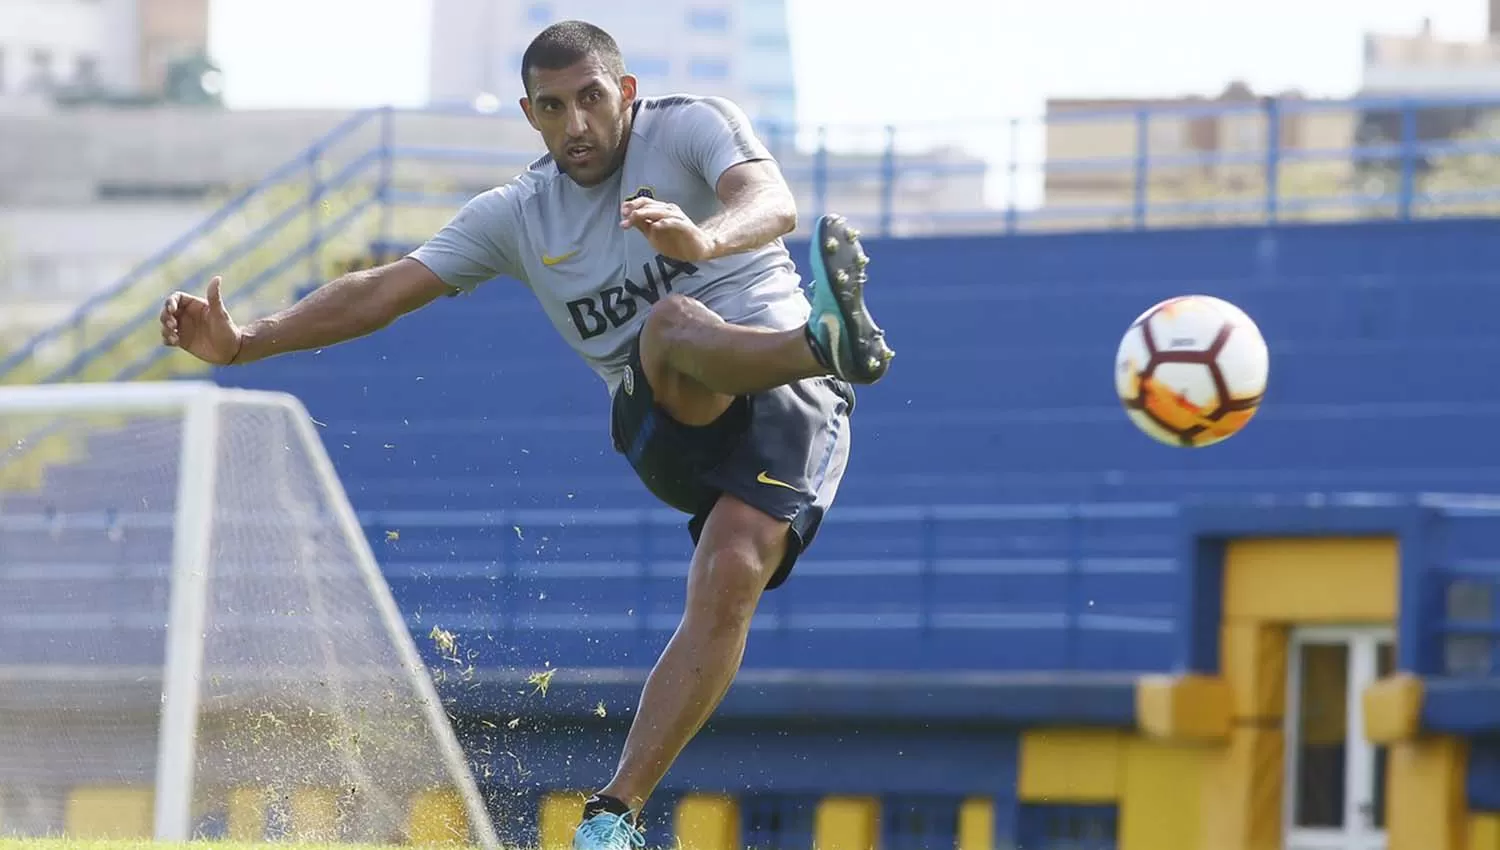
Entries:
{"x":1364,"y":643}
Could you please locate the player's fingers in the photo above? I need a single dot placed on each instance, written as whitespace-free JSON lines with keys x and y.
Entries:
{"x":169,"y":332}
{"x":639,"y":204}
{"x":652,"y":215}
{"x":169,"y":313}
{"x":650,"y":205}
{"x":215,"y":296}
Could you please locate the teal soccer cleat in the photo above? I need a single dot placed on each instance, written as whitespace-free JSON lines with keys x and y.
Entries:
{"x":608,"y":831}
{"x":840,"y":329}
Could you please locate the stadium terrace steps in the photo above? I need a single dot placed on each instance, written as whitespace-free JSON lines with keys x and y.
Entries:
{"x":474,"y":409}
{"x":475,"y":447}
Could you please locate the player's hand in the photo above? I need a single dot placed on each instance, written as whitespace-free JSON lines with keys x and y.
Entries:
{"x":201,"y":326}
{"x":668,"y":229}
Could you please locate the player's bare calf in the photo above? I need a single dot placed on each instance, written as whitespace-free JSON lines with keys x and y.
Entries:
{"x":740,"y":549}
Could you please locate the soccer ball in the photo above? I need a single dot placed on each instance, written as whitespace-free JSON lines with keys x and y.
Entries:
{"x":1191,"y":371}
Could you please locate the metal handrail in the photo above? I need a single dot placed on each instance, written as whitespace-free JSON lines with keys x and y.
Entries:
{"x":1137,"y":202}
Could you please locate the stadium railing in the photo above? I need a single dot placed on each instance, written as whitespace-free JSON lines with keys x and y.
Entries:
{"x":378,"y":178}
{"x":389,"y":177}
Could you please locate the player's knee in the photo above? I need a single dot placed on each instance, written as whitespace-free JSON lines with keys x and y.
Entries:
{"x":666,"y":356}
{"x":739,"y":552}
{"x":675,"y":318}
{"x":733,"y":578}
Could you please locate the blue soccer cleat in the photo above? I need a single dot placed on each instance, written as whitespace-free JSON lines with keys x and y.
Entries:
{"x":608,"y":831}
{"x":840,"y":329}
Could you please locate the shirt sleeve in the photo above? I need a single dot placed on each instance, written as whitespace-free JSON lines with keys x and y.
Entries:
{"x":714,"y":136}
{"x":478,"y":244}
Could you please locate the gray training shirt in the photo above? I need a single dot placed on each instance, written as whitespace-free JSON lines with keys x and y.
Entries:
{"x":597,"y":281}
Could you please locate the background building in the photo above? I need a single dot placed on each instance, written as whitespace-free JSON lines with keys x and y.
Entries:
{"x":1424,"y":63}
{"x":1207,"y":150}
{"x":738,"y":50}
{"x":1199,"y":150}
{"x":91,"y":48}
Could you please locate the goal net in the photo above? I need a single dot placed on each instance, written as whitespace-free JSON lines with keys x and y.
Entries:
{"x":195,"y":638}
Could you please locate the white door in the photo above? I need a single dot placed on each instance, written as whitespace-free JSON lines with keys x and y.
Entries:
{"x":1335,"y":779}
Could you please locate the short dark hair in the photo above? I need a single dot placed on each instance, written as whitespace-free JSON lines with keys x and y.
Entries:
{"x":566,"y":42}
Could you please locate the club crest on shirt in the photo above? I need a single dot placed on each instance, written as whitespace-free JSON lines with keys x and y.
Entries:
{"x":643,"y":192}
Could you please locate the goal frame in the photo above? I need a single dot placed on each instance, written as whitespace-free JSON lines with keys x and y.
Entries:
{"x":198,"y":403}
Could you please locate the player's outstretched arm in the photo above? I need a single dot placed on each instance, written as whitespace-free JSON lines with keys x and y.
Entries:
{"x":351,"y":306}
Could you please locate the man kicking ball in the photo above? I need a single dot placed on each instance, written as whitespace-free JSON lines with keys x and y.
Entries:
{"x":651,"y":233}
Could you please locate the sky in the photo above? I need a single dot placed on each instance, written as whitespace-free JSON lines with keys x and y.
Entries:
{"x":976,"y":60}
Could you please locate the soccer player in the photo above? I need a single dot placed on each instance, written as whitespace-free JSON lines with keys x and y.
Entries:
{"x":651,"y":233}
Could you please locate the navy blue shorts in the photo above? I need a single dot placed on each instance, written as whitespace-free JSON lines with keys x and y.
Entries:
{"x":782,"y":452}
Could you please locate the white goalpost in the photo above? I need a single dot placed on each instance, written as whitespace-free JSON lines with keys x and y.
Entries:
{"x":195,"y":637}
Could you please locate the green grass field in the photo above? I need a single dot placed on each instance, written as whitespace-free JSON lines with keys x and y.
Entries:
{"x":145,"y":844}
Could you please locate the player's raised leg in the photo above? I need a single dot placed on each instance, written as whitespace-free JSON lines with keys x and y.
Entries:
{"x":843,"y":333}
{"x":739,"y":550}
{"x":696,"y":362}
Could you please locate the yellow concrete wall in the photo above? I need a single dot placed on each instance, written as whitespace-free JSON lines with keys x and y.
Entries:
{"x":1484,"y":831}
{"x":109,"y":811}
{"x":1080,"y":766}
{"x":1161,"y":787}
{"x":847,"y":823}
{"x":1156,"y":785}
{"x":1270,"y":586}
{"x":315,"y":814}
{"x":707,"y":822}
{"x":438,"y":817}
{"x":559,"y":816}
{"x":976,"y":825}
{"x":1427,"y":807}
{"x":1170,"y":796}
{"x":1312,"y":581}
{"x":248,"y":810}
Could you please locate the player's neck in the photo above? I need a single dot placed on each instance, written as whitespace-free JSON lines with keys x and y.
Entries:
{"x":619,"y":163}
{"x":628,"y":131}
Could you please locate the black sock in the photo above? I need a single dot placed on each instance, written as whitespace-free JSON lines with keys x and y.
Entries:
{"x":605,"y":803}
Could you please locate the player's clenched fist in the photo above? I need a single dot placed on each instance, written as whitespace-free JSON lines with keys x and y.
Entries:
{"x":668,"y":229}
{"x":201,"y":326}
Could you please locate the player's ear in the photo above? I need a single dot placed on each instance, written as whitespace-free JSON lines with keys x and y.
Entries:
{"x":526,"y":108}
{"x":627,"y":88}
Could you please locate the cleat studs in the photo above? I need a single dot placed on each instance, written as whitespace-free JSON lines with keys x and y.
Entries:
{"x":841,"y":276}
{"x":831,"y":245}
{"x":873,"y":364}
{"x":853,"y":234}
{"x":860,"y":261}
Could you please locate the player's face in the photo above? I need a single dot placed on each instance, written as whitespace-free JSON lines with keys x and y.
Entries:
{"x":582,"y":112}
